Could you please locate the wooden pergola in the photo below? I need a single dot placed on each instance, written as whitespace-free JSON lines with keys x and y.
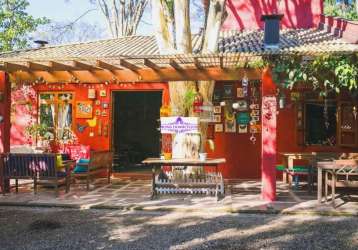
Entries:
{"x":131,"y":69}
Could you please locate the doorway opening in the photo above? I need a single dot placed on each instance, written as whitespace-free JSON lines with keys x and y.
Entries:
{"x":135,"y":132}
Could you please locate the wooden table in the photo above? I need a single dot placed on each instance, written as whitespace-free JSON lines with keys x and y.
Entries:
{"x":311,"y":157}
{"x":335,"y":168}
{"x":157,"y":162}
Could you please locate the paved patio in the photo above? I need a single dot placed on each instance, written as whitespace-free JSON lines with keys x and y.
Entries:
{"x":132,"y":193}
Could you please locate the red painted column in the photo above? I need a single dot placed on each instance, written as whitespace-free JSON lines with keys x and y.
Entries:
{"x":268,"y":147}
{"x":5,"y":104}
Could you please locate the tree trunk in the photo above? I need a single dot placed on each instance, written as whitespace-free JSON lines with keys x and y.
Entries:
{"x":186,"y":146}
{"x":163,"y":24}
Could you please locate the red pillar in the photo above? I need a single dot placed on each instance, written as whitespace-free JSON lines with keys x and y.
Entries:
{"x":268,"y":146}
{"x":5,"y":104}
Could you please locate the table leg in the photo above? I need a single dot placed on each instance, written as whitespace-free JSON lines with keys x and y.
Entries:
{"x":326,"y":186}
{"x":334,"y":177}
{"x":319,"y":185}
{"x":284,"y":173}
{"x":154,"y":192}
{"x":290,"y":167}
{"x":310,"y":179}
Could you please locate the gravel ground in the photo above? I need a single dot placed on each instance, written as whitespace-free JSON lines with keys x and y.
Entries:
{"x":49,"y":228}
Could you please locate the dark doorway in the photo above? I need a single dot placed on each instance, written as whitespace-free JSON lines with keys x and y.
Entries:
{"x":135,"y":127}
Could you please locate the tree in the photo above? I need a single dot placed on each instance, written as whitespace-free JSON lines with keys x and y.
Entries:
{"x":122,"y":16}
{"x":173,"y":35}
{"x":16,"y":24}
{"x":73,"y":32}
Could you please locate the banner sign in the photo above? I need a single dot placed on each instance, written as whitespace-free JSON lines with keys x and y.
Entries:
{"x":179,"y":125}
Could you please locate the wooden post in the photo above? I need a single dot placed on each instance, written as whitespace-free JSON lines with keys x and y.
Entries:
{"x":5,"y":103}
{"x":268,"y":140}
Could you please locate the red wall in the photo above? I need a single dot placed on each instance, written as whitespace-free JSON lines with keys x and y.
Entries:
{"x":23,"y":118}
{"x":242,"y":156}
{"x":246,"y":14}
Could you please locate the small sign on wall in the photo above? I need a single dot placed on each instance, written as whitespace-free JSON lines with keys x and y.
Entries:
{"x":84,"y":109}
{"x":179,"y":125}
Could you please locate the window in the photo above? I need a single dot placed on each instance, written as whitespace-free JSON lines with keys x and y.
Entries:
{"x":55,"y":113}
{"x":320,"y":125}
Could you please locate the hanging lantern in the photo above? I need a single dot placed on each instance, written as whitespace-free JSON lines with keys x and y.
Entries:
{"x":198,"y":103}
{"x":282,"y":100}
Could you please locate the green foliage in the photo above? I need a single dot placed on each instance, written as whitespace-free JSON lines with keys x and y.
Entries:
{"x":37,"y":130}
{"x":347,"y":11}
{"x":333,"y":72}
{"x":16,"y":24}
{"x":189,"y":99}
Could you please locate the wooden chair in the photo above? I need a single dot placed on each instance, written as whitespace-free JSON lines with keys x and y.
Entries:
{"x":100,"y":161}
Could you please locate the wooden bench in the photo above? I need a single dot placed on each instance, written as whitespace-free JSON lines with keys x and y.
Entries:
{"x":100,"y":161}
{"x":36,"y":167}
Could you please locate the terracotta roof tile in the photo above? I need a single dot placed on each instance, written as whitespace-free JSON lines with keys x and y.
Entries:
{"x":307,"y":41}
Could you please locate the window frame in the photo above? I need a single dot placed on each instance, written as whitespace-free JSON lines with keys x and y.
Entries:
{"x":56,"y":101}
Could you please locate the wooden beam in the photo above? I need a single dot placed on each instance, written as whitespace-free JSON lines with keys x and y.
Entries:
{"x":56,"y":66}
{"x":106,"y":66}
{"x":128,"y":65}
{"x":37,"y":66}
{"x":83,"y":66}
{"x":151,"y":64}
{"x":197,"y":63}
{"x":143,"y":75}
{"x":175,"y":65}
{"x":221,"y":62}
{"x":15,"y":67}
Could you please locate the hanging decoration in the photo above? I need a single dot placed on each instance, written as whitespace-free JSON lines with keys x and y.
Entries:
{"x":81,"y":128}
{"x":219,"y":128}
{"x":230,"y":122}
{"x":198,"y":102}
{"x":245,"y":86}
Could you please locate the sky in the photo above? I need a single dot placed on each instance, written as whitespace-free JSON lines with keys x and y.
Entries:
{"x":70,"y":10}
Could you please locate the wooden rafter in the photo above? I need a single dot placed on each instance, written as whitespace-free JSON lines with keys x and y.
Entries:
{"x":83,"y":66}
{"x":105,"y":65}
{"x":37,"y":66}
{"x":56,"y":66}
{"x":151,"y":64}
{"x":15,"y":67}
{"x":197,"y":63}
{"x":142,"y":75}
{"x":124,"y":63}
{"x":221,"y":59}
{"x":175,"y":65}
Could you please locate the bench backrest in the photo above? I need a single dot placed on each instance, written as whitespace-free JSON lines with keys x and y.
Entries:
{"x":27,"y":165}
{"x":100,"y":159}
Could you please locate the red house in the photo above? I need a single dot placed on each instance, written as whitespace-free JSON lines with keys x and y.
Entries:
{"x":108,"y":93}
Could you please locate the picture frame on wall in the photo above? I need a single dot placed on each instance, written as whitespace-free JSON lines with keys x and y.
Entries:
{"x":105,"y":105}
{"x":219,"y":128}
{"x":230,"y":126}
{"x":217,"y":109}
{"x":102,"y":93}
{"x":217,"y":118}
{"x":228,"y":91}
{"x":84,"y":109}
{"x":217,"y":95}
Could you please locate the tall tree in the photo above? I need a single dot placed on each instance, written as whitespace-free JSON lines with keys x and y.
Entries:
{"x":122,"y":16}
{"x":16,"y":24}
{"x":173,"y":34}
{"x":69,"y":32}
